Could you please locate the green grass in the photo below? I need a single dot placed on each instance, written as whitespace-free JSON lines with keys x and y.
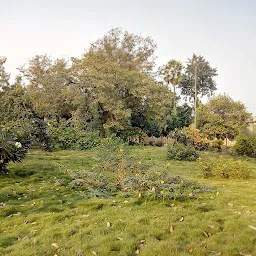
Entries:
{"x":41,"y":209}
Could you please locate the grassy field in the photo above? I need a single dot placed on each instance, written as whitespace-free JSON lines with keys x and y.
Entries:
{"x":40,"y":214}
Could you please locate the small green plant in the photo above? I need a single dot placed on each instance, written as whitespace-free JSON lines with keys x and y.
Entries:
{"x":217,"y":144}
{"x":223,"y":168}
{"x":11,"y":150}
{"x":181,"y":152}
{"x":245,"y":144}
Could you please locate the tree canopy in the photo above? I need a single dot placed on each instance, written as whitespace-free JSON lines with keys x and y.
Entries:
{"x":48,"y":85}
{"x":222,"y":116}
{"x":114,"y":75}
{"x":172,"y":74}
{"x":205,"y":74}
{"x":113,"y":87}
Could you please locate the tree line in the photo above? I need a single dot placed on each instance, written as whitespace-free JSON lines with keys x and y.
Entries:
{"x":115,"y":87}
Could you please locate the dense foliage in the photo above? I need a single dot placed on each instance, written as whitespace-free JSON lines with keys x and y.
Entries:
{"x":222,"y":116}
{"x":180,"y":152}
{"x":191,"y":136}
{"x":246,"y":144}
{"x":113,"y":90}
{"x":223,"y":168}
{"x":11,"y":149}
{"x":67,"y":134}
{"x":198,"y":69}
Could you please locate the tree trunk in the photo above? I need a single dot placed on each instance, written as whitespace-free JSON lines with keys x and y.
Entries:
{"x":174,"y":103}
{"x":103,"y":117}
{"x":195,"y":118}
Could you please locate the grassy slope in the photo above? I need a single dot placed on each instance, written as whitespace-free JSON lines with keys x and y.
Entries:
{"x":41,"y":210}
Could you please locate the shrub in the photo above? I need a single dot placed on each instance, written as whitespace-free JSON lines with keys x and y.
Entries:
{"x":129,"y":132}
{"x":65,"y":134}
{"x":11,"y":150}
{"x":151,"y":143}
{"x":223,"y":168}
{"x":87,"y":141}
{"x":179,"y":151}
{"x":217,"y":144}
{"x":111,"y":156}
{"x":159,"y":144}
{"x":180,"y":135}
{"x":197,"y":138}
{"x":245,"y":144}
{"x":158,"y":185}
{"x":191,"y":136}
{"x":143,"y":184}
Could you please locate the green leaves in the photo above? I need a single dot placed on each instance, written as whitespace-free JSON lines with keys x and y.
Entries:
{"x":206,"y":84}
{"x":10,"y":150}
{"x":221,"y":116}
{"x":114,"y":75}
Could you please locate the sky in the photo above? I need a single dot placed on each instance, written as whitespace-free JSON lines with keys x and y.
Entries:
{"x":223,"y":31}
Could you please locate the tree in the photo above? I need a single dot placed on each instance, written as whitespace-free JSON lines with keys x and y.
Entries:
{"x":182,"y":118}
{"x":115,"y":75}
{"x":172,"y":73}
{"x":4,"y":76}
{"x":198,"y":80}
{"x":117,"y":92}
{"x":49,"y":86}
{"x":222,"y":116}
{"x":130,"y":51}
{"x":18,"y":117}
{"x":15,"y":109}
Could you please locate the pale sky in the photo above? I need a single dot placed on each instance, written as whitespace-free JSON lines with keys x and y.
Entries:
{"x":223,"y":31}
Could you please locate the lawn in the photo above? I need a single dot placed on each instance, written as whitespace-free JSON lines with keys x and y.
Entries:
{"x":41,"y":214}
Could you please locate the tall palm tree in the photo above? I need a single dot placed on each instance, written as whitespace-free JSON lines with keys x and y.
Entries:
{"x":172,"y":73}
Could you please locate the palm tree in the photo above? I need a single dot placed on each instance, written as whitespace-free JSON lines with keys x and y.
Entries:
{"x":172,"y":73}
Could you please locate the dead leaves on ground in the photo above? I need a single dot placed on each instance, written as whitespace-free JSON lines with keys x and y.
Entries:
{"x":171,"y":229}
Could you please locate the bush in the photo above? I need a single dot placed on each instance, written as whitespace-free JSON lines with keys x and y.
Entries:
{"x":159,"y":144}
{"x":245,"y":145}
{"x":157,"y":185}
{"x":179,"y":151}
{"x":217,"y":144}
{"x":223,"y":168}
{"x":197,"y":138}
{"x":191,"y":136}
{"x":67,"y":135}
{"x":11,"y":150}
{"x":151,"y":143}
{"x":141,"y":183}
{"x":180,"y":135}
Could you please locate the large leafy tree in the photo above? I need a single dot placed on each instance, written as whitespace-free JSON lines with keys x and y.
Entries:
{"x":114,"y":75}
{"x":18,"y":117}
{"x":198,"y":80}
{"x":222,"y":116}
{"x":172,"y":74}
{"x":49,"y":86}
{"x":127,"y":50}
